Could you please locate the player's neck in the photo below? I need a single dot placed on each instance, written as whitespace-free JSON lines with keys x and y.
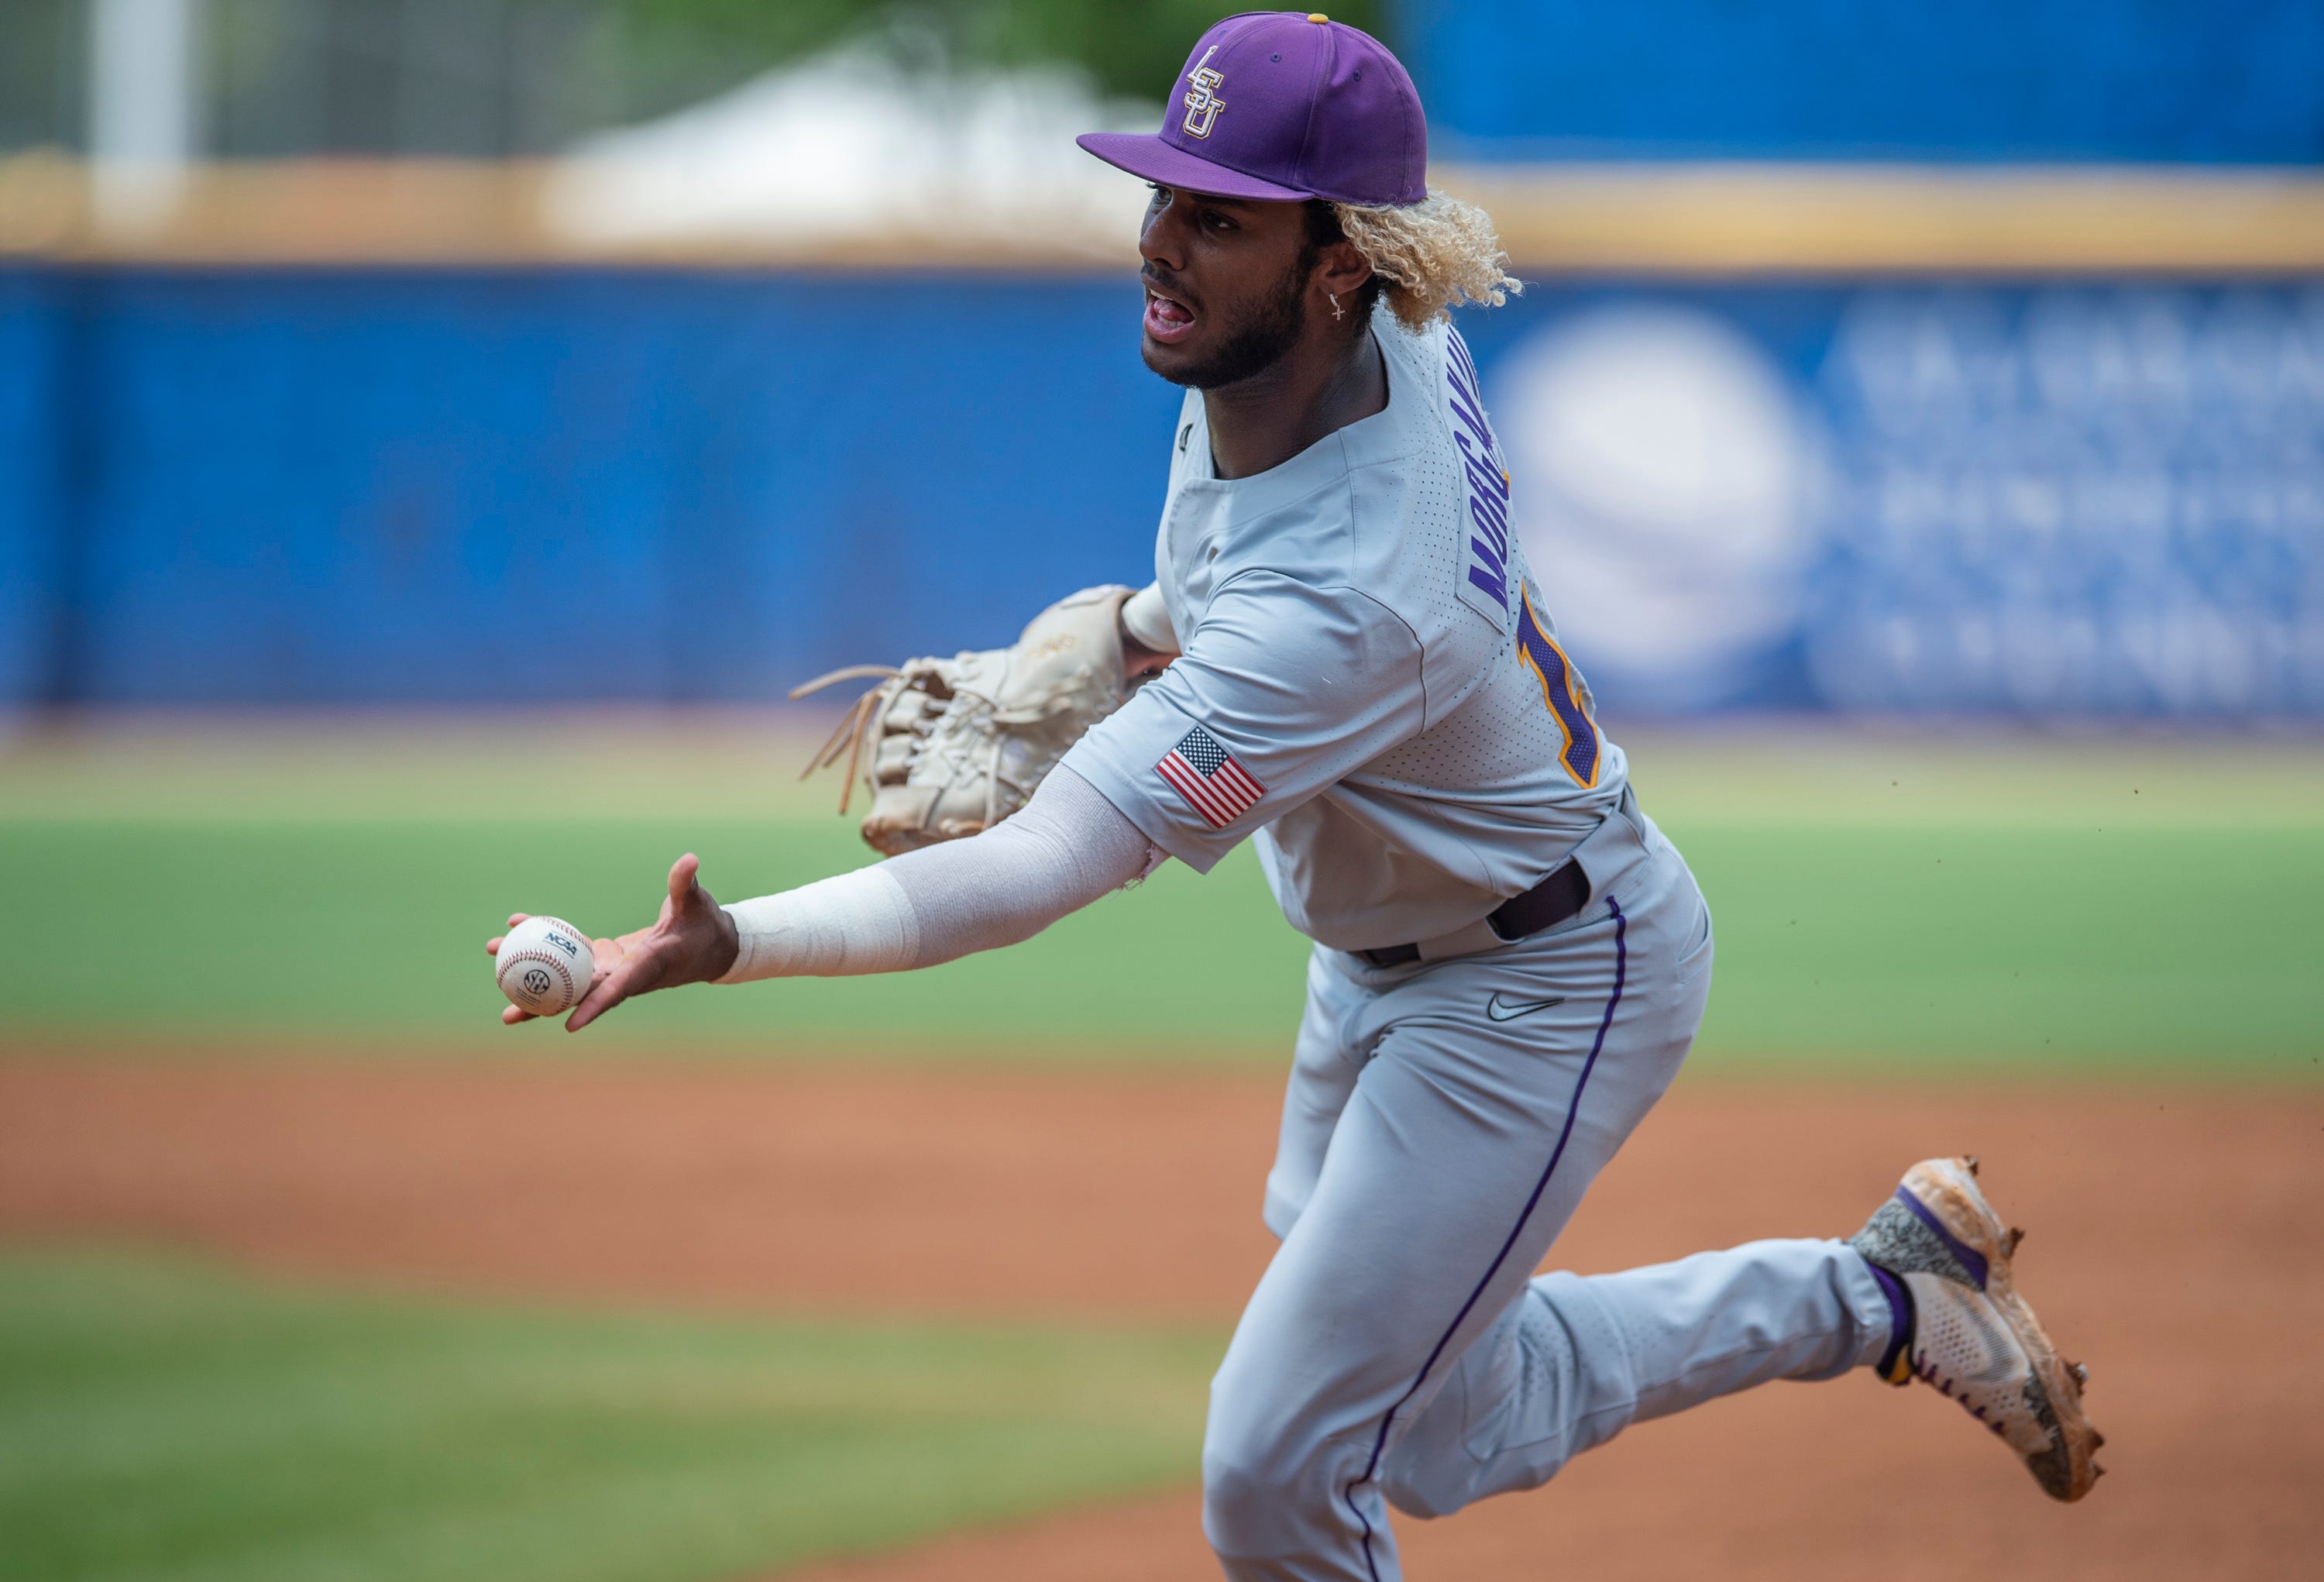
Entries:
{"x":1318,"y":387}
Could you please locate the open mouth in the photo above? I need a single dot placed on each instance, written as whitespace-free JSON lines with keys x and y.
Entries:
{"x":1167,"y":318}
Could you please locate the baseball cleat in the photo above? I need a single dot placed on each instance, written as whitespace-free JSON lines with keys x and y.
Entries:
{"x":1973,"y":1336}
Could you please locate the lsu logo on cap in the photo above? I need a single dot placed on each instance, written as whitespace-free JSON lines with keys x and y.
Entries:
{"x":1203,"y":103}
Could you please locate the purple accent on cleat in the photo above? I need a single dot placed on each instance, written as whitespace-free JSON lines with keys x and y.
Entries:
{"x":1900,"y":1320}
{"x":1970,"y":1258}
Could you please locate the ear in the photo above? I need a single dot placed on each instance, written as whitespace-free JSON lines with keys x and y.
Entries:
{"x":1340,"y":269}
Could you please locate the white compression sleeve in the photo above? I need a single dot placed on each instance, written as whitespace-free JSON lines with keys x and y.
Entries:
{"x":1065,"y":849}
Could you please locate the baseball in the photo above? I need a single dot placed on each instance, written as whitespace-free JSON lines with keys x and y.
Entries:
{"x":544,"y":965}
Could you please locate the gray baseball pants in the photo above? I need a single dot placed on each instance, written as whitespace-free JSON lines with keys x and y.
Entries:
{"x":1442,"y":1124}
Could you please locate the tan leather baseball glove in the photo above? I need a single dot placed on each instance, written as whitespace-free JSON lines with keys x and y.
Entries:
{"x":955,"y":745}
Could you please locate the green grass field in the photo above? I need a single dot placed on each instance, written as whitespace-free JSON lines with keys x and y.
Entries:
{"x":160,"y":1419}
{"x":1880,"y":901}
{"x":200,"y":888}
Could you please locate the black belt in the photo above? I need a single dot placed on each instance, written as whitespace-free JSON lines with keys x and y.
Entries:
{"x":1559,"y":896}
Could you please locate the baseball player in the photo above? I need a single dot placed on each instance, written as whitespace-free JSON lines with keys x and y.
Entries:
{"x":1345,"y":659}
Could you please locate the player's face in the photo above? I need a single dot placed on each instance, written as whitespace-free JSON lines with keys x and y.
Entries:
{"x":1226,"y":285}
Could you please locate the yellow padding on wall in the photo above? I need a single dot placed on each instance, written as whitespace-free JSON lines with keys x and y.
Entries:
{"x":1727,"y":219}
{"x":1629,"y":219}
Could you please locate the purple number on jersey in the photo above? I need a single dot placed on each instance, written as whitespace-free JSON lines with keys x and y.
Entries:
{"x":1561,"y":691}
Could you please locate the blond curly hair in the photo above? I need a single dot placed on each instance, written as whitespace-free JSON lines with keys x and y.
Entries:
{"x":1431,"y":256}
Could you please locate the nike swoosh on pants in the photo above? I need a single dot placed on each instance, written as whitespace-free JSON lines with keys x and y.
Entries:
{"x":1501,"y":1009}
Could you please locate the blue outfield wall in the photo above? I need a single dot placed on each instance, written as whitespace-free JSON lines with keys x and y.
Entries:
{"x":2201,"y":81}
{"x":35,"y":393}
{"x":265,"y":485}
{"x":424,"y":486}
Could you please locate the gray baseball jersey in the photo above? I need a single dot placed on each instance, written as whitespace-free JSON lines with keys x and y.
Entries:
{"x":1370,"y":681}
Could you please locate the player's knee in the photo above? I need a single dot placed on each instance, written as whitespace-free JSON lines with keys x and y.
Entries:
{"x":1234,"y":1506}
{"x":1417,"y":1494}
{"x":1248,"y":1501}
{"x":1262,"y":1490}
{"x":1440,"y":1467}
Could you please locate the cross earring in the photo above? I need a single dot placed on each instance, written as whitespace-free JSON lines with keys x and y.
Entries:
{"x":1336,"y":310}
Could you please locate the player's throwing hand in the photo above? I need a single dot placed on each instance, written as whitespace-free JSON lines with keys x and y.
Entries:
{"x":693,"y":941}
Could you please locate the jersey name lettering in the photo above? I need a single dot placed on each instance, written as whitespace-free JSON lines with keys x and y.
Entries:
{"x":1488,"y":481}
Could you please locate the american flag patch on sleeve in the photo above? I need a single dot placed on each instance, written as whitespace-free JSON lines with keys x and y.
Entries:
{"x":1213,"y":784}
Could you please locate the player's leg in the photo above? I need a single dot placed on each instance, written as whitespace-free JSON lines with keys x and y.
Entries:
{"x":1574,"y":1361}
{"x":1926,"y":1289}
{"x":1491,"y":1090}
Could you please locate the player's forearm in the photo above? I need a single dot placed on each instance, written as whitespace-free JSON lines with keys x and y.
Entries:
{"x":1067,"y":848}
{"x":857,"y":922}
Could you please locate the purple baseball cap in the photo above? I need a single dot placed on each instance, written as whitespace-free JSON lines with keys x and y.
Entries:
{"x":1280,"y":106}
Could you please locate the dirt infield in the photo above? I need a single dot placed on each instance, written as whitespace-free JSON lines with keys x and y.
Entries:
{"x":2176,"y":1242}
